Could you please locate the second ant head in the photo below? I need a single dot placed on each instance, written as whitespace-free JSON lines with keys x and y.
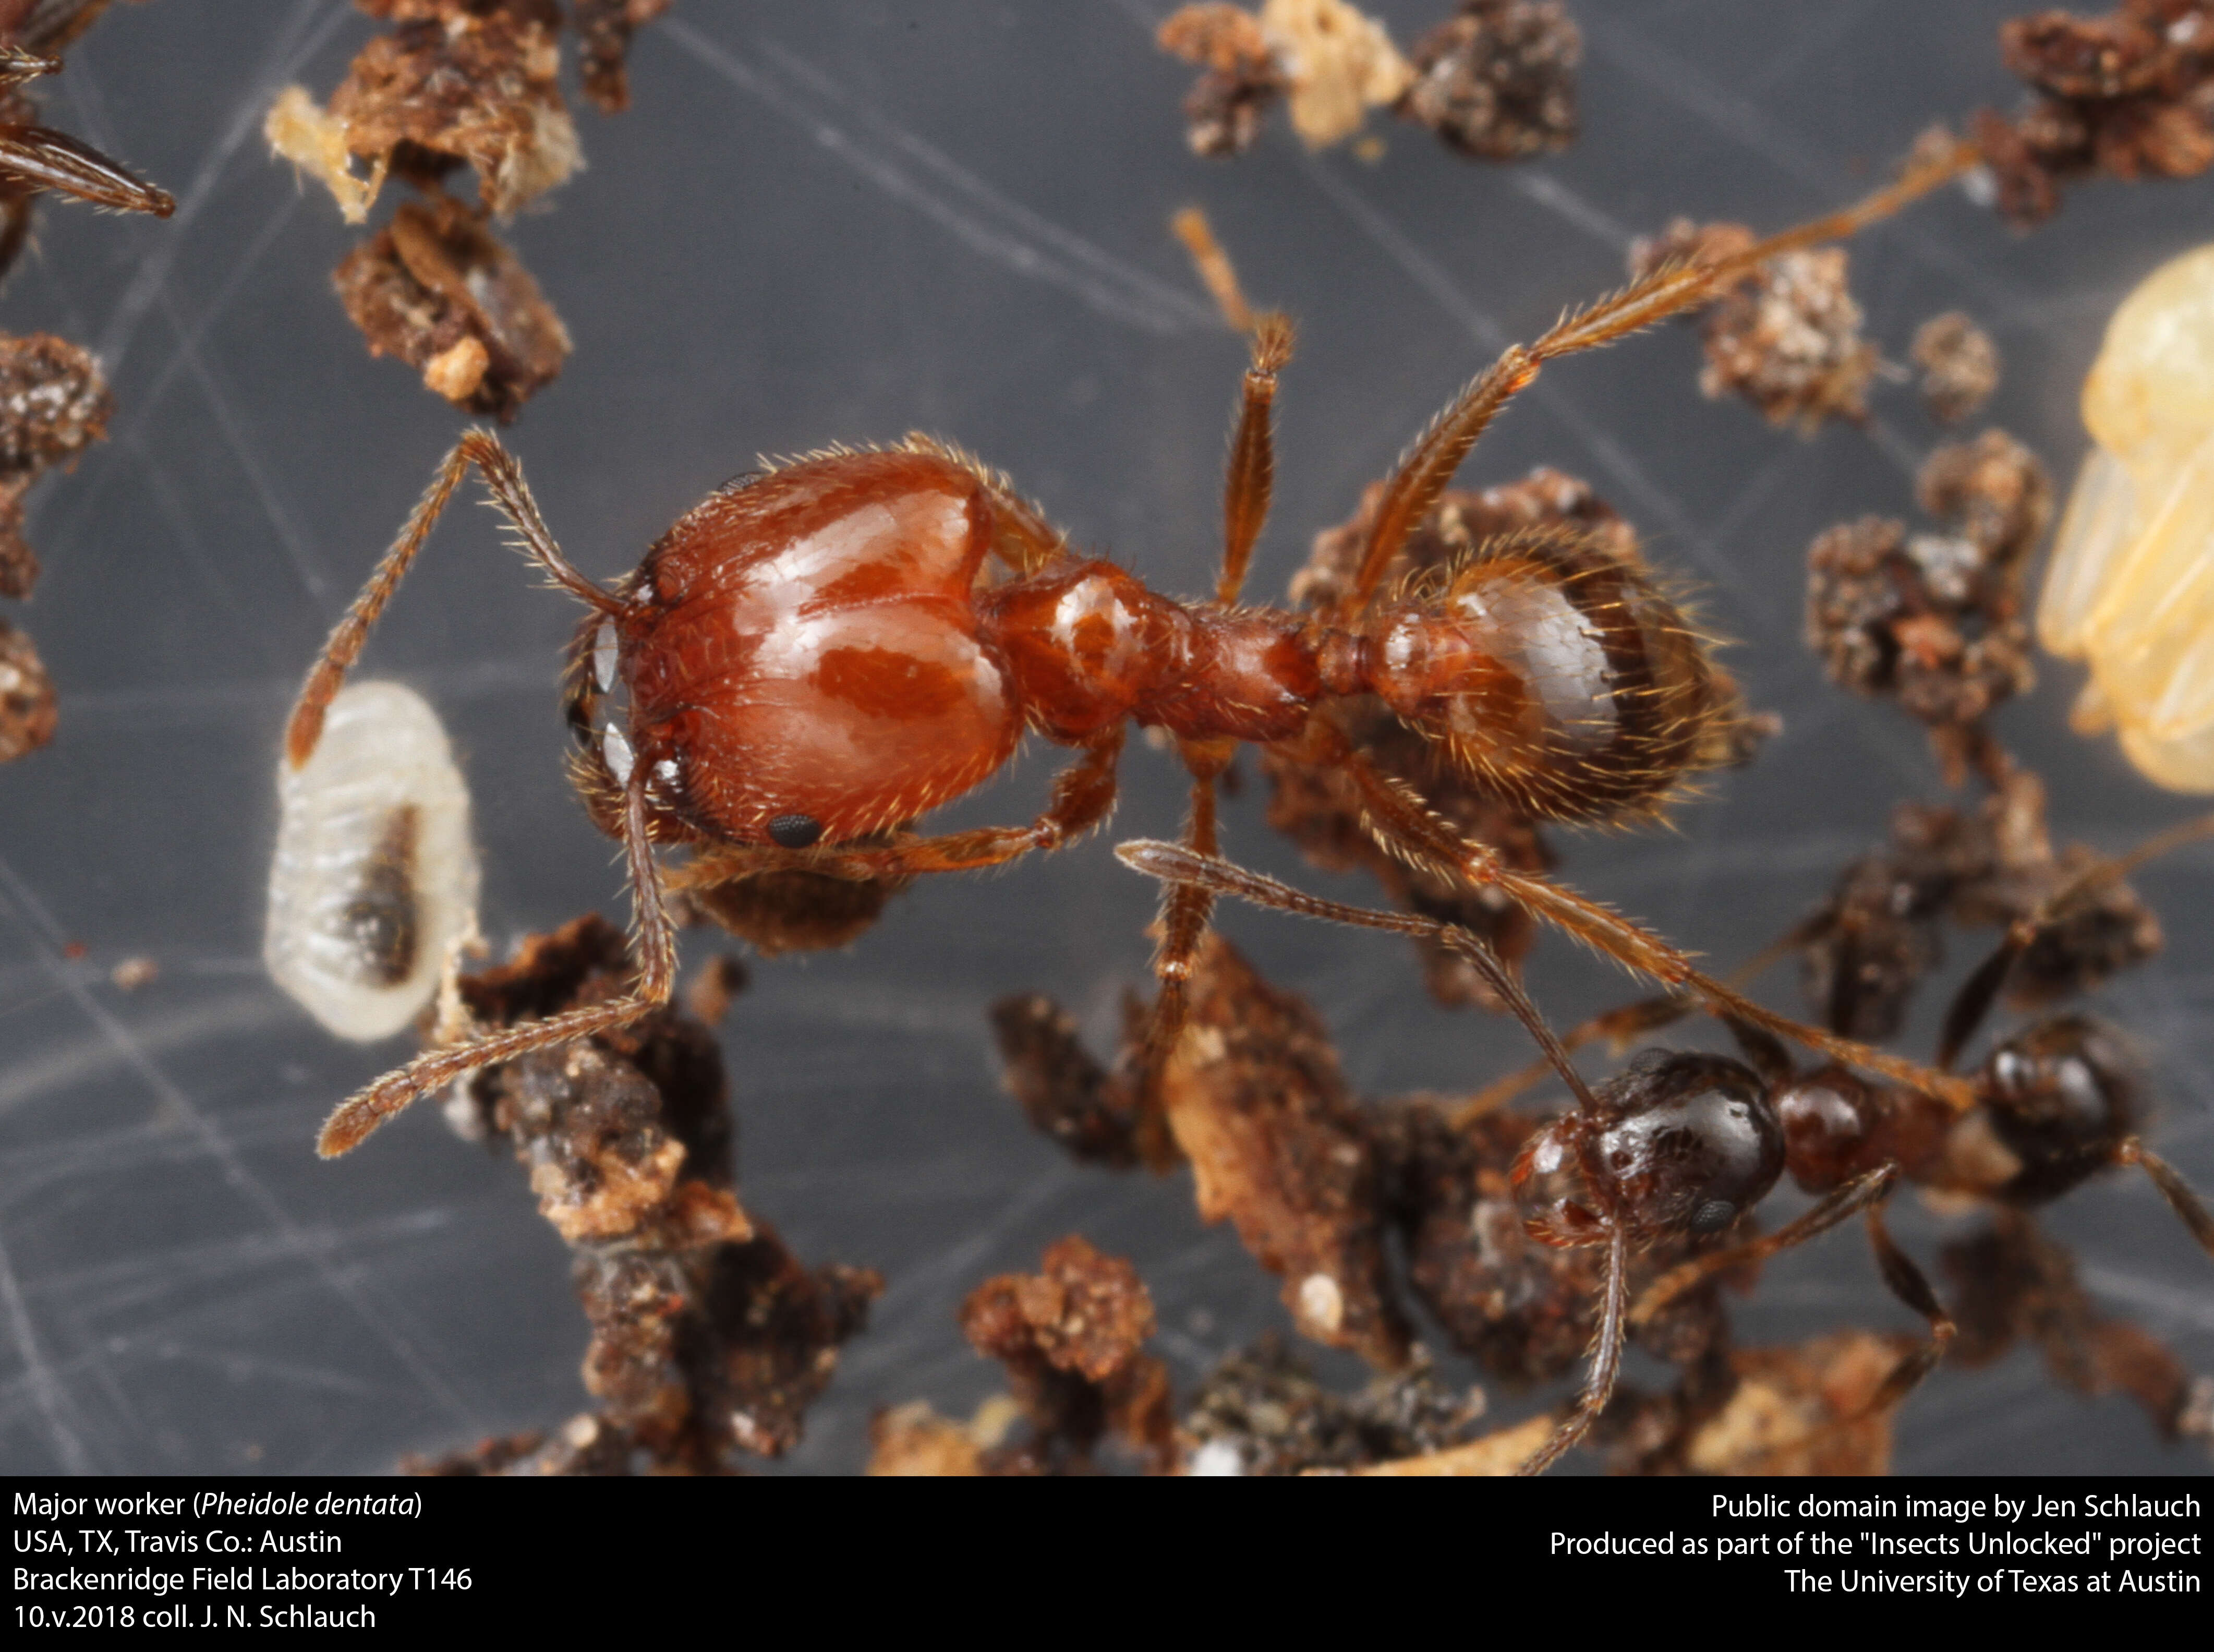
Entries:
{"x":1681,"y":1144}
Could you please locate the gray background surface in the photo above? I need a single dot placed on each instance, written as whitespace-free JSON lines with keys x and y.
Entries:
{"x":845,"y":221}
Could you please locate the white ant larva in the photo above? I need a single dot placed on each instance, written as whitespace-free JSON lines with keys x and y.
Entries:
{"x":376,"y":874}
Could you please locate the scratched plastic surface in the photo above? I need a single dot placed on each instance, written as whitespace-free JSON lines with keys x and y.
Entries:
{"x":845,"y":222}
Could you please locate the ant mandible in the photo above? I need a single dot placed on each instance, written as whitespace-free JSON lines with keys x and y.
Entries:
{"x":814,"y":655}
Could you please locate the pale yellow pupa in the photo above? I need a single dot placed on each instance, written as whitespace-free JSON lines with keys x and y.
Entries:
{"x":2131,"y":585}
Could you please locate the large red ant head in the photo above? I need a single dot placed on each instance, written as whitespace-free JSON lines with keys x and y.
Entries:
{"x":1682,"y":1144}
{"x":803,"y":656}
{"x":2061,"y":1095}
{"x":1554,"y":672}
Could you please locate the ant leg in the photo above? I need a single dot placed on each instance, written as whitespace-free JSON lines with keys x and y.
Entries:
{"x":19,"y":64}
{"x":1083,"y":797}
{"x":1762,"y":1051}
{"x":1430,"y":464}
{"x":362,"y":1112}
{"x":2186,"y":1204}
{"x":2016,"y":1284}
{"x":503,"y":477}
{"x":1909,"y":1286}
{"x":1974,"y":1001}
{"x":1617,"y":1027}
{"x":1181,"y":866}
{"x":1186,"y":907}
{"x":1858,"y":1195}
{"x":1401,"y":823}
{"x":1216,"y":273}
{"x":1981,"y":990}
{"x":1252,"y":470}
{"x":1606,"y":1364}
{"x":1624,"y":1023}
{"x":45,"y":159}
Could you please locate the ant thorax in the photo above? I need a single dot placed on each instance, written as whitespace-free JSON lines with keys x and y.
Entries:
{"x":1837,"y":1126}
{"x":1093,"y":647}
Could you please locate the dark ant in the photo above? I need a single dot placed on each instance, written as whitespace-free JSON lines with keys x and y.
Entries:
{"x":1682,"y":1145}
{"x":815,"y":656}
{"x":34,"y":157}
{"x":1675,"y":1147}
{"x":2056,"y":1102}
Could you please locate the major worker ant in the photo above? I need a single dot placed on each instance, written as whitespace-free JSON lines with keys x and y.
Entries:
{"x":819,"y":654}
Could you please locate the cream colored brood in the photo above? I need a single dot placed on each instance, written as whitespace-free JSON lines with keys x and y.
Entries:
{"x":2130,"y":587}
{"x":374,"y":879}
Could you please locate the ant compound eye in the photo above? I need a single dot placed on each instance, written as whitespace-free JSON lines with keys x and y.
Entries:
{"x":794,"y":831}
{"x":1713,"y":1216}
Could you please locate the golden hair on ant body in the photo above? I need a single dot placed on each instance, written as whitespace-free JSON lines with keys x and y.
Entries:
{"x":1560,"y":677}
{"x":816,"y":656}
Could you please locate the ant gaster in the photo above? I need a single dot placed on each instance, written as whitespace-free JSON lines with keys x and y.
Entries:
{"x":816,"y":655}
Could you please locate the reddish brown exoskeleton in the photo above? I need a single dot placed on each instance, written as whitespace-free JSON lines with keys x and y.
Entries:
{"x":818,"y":654}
